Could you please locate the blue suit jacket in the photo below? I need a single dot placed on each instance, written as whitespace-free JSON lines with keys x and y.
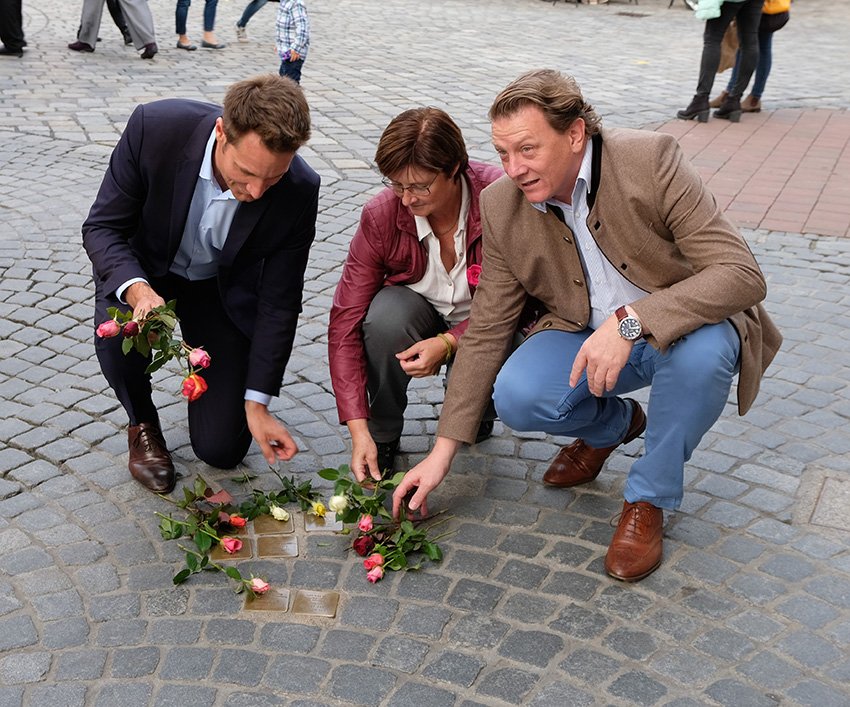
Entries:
{"x":136,"y":223}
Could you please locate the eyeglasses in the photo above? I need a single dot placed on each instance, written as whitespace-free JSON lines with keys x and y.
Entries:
{"x":414,"y":189}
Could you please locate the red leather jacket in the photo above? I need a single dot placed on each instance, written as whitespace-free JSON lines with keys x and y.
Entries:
{"x":385,"y":251}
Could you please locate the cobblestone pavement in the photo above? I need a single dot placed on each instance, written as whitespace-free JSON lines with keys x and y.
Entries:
{"x":752,"y":603}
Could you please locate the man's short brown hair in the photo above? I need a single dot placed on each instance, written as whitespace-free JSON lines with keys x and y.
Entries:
{"x":557,"y":95}
{"x":272,"y":106}
{"x":422,"y":137}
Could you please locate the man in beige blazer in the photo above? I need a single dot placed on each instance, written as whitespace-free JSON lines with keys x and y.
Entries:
{"x":646,"y":283}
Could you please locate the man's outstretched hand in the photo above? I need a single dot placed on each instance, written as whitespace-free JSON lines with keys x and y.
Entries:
{"x":425,"y":477}
{"x":142,"y":298}
{"x":274,"y":439}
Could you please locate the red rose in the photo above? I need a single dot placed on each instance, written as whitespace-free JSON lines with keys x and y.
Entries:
{"x":376,"y":559}
{"x":108,"y":329}
{"x":237,"y":521}
{"x":194,"y":386}
{"x":130,"y":329}
{"x":363,"y":545}
{"x":473,"y":273}
{"x":231,"y":545}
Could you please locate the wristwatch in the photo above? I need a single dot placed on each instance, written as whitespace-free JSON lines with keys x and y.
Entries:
{"x":629,"y":326}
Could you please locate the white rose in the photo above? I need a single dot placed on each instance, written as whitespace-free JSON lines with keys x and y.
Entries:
{"x":279,"y":513}
{"x":338,"y":504}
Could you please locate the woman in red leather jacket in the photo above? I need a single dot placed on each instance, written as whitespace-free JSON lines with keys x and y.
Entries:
{"x":407,"y":284}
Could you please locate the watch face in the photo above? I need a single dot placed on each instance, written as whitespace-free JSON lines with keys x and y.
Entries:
{"x":630,"y":328}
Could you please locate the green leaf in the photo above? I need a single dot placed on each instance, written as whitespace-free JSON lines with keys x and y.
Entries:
{"x":329,"y":474}
{"x":203,"y":541}
{"x":233,"y":573}
{"x":142,"y":345}
{"x":181,"y":576}
{"x":432,"y":551}
{"x":126,"y":346}
{"x":192,"y":562}
{"x":407,"y":527}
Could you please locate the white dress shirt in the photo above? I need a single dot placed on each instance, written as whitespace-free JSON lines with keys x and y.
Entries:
{"x":447,"y":292}
{"x":606,"y":287}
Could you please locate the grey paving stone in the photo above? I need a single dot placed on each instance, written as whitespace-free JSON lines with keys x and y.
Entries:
{"x":756,"y":588}
{"x":421,"y":695}
{"x":135,"y":662}
{"x":360,"y":685}
{"x":532,"y":647}
{"x":17,"y":632}
{"x":473,"y":595}
{"x":350,"y":645}
{"x":455,"y":668}
{"x":369,"y":612}
{"x":292,"y":638}
{"x":808,"y":611}
{"x":579,"y":622}
{"x":472,"y":563}
{"x":185,"y":696}
{"x":186,"y":664}
{"x":523,"y":544}
{"x":476,"y":535}
{"x":528,"y":608}
{"x":478,"y":631}
{"x":83,"y":664}
{"x":732,"y":693}
{"x":574,"y":585}
{"x":124,"y":694}
{"x":508,"y":684}
{"x":638,"y":687}
{"x":399,"y":653}
{"x":831,"y":588}
{"x":562,"y":693}
{"x":808,"y":649}
{"x":818,"y":694}
{"x":296,"y":674}
{"x":423,"y":621}
{"x":770,"y":671}
{"x":230,"y":632}
{"x":24,"y":667}
{"x":240,"y":667}
{"x":63,"y":633}
{"x":422,"y":585}
{"x":11,"y":696}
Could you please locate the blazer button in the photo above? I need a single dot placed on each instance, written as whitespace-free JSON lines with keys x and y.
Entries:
{"x":567,"y":239}
{"x":579,"y":283}
{"x":546,"y":325}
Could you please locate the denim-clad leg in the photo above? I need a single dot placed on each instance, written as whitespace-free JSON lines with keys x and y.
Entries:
{"x":690,"y":385}
{"x":250,"y":10}
{"x":209,"y":15}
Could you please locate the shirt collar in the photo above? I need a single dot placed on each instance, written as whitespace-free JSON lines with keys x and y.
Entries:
{"x":582,"y":187}
{"x":206,"y":171}
{"x":423,"y":227}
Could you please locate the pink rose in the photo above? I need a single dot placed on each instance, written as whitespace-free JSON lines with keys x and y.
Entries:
{"x":258,"y":586}
{"x":365,"y":523}
{"x":108,"y":329}
{"x":231,"y":545}
{"x":130,"y":329}
{"x":473,"y":274}
{"x":376,"y":559}
{"x":363,"y":545}
{"x":237,"y":521}
{"x":194,"y":386}
{"x":375,"y":574}
{"x":199,"y":358}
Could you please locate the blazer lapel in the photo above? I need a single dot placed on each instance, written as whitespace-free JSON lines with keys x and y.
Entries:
{"x":247,"y":215}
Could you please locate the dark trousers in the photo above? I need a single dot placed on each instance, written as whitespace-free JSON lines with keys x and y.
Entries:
{"x":747,"y":15}
{"x":292,"y":69}
{"x":218,"y":428}
{"x":397,"y":318}
{"x":11,"y":24}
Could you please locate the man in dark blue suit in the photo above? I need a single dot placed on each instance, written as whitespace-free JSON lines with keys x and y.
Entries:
{"x":214,"y":208}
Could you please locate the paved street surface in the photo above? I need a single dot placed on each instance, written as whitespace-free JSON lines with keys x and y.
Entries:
{"x":752,"y":603}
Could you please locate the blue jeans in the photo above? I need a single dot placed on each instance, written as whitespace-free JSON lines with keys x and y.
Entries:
{"x":292,"y":69}
{"x":762,"y":68}
{"x":690,"y":384}
{"x":250,"y":10}
{"x":182,"y":12}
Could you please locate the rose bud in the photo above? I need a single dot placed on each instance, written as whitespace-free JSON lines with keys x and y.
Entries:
{"x":108,"y":329}
{"x":130,"y":329}
{"x":237,"y":521}
{"x":258,"y":586}
{"x":319,"y":509}
{"x":279,"y":513}
{"x":365,"y":523}
{"x":231,"y":545}
{"x":199,"y":358}
{"x":375,"y":574}
{"x":376,"y":559}
{"x":194,"y":386}
{"x":363,"y":545}
{"x":338,"y":504}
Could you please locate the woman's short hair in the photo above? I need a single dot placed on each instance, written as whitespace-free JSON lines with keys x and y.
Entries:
{"x":272,"y":106}
{"x":557,"y":95}
{"x":422,"y":137}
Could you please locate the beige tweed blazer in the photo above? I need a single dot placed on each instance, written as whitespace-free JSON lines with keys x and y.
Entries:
{"x":657,"y":223}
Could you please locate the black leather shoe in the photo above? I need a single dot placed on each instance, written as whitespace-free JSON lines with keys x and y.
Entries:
{"x":6,"y":51}
{"x":730,"y":110}
{"x":150,"y":461}
{"x":150,"y":50}
{"x":81,"y":47}
{"x":485,"y":431}
{"x":387,"y":452}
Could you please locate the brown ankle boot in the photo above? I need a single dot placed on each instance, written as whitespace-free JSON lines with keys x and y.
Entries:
{"x":751,"y":104}
{"x":717,"y":102}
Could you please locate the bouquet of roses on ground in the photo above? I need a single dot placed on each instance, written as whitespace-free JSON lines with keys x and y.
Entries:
{"x":153,"y":336}
{"x":384,"y":542}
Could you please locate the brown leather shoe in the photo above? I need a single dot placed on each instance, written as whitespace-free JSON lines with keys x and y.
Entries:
{"x":150,"y":462}
{"x":578,"y":463}
{"x":635,"y":549}
{"x":751,"y":104}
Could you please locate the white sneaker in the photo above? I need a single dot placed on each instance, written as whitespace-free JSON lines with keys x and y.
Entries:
{"x":241,"y":34}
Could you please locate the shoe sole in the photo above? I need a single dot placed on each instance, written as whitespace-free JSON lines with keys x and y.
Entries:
{"x":636,"y":578}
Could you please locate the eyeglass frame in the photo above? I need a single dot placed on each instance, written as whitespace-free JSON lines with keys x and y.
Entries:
{"x":399,"y":189}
